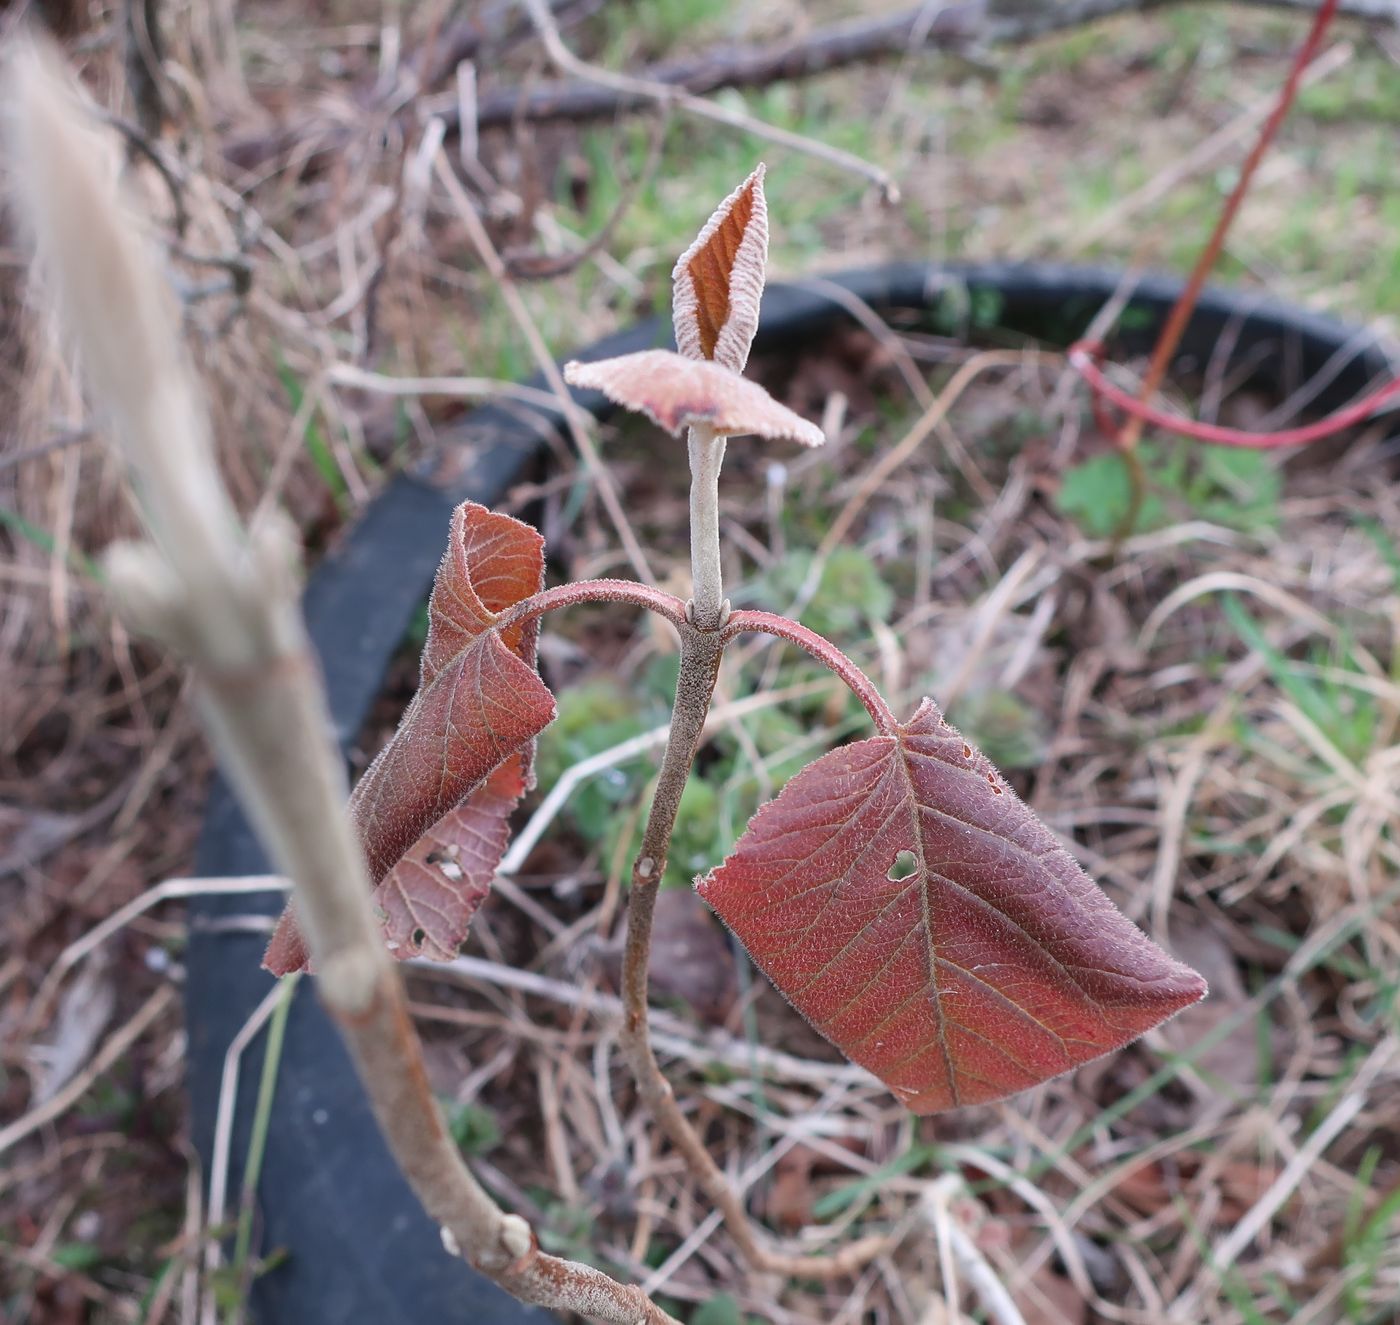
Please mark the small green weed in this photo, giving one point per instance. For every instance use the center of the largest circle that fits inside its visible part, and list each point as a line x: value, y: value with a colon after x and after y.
x: 77, y: 1255
x: 650, y: 26
x: 1347, y: 715
x: 851, y: 593
x: 1364, y: 1238
x: 474, y: 1129
x: 1230, y: 486
x: 717, y: 801
x: 45, y: 542
x: 1003, y: 726
x: 314, y: 439
x: 721, y: 1309
x: 920, y: 1155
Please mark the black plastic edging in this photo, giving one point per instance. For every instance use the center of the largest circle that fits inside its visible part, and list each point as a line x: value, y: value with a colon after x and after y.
x: 356, y: 1245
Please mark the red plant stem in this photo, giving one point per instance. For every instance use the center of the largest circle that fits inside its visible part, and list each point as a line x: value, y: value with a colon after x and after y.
x: 825, y: 652
x: 596, y: 591
x: 1084, y: 357
x: 1185, y: 305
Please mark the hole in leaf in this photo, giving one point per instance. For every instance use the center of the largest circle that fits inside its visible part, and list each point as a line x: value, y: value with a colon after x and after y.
x: 967, y: 752
x: 904, y: 865
x: 992, y: 781
x: 417, y: 937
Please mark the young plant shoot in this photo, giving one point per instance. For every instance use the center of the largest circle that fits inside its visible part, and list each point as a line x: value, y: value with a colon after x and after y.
x: 897, y: 891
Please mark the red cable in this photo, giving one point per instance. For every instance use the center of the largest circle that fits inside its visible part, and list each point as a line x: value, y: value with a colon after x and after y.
x: 1084, y: 357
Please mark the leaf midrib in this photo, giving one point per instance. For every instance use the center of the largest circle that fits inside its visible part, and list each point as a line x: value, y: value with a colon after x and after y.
x: 916, y: 829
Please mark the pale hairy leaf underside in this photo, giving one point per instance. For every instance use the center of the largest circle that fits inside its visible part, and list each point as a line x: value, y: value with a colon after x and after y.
x: 909, y: 905
x: 675, y: 393
x: 480, y: 702
x: 718, y: 281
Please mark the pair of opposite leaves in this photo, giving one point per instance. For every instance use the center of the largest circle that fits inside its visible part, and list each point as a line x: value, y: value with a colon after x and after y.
x: 896, y: 891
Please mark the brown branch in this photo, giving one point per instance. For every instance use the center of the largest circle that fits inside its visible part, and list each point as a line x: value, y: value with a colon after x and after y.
x: 143, y: 51
x: 1175, y: 326
x: 826, y: 49
x: 226, y: 599
x: 664, y: 94
x: 140, y: 145
x: 544, y: 361
x: 1185, y: 305
x: 491, y: 30
x: 963, y: 26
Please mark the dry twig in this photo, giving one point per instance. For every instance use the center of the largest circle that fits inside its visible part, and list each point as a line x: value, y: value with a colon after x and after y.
x: 956, y: 27
x: 227, y: 600
x: 663, y: 94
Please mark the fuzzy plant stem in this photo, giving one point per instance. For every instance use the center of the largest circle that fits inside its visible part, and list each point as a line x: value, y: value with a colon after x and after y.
x: 701, y: 653
x: 707, y: 593
x: 226, y: 601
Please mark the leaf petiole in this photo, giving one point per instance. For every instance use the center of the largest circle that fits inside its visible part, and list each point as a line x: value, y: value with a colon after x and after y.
x: 632, y: 592
x: 825, y: 652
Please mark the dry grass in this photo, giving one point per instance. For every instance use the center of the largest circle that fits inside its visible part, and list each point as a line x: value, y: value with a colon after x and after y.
x: 1234, y: 788
x: 1237, y: 801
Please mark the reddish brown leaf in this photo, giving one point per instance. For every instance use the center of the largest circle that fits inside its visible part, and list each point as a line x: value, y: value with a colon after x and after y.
x: 430, y: 897
x: 718, y: 281
x: 480, y: 700
x: 931, y: 927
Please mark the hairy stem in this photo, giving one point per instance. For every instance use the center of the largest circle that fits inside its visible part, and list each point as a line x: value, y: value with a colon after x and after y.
x: 707, y: 592
x: 701, y: 652
x: 825, y: 652
x: 595, y: 591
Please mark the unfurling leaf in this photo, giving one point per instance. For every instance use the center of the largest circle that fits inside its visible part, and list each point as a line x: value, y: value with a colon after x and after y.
x: 675, y: 392
x: 480, y: 701
x: 931, y: 927
x: 480, y: 698
x: 718, y: 281
x: 430, y: 897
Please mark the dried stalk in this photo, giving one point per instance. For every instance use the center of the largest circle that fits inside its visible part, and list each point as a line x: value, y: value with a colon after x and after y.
x: 226, y: 600
x: 664, y: 94
x: 544, y: 360
x: 958, y: 25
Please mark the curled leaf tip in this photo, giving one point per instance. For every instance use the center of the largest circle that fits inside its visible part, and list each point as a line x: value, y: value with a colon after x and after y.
x: 718, y: 281
x: 676, y: 393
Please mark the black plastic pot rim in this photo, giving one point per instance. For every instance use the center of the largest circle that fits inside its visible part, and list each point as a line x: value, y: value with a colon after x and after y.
x: 357, y: 1246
